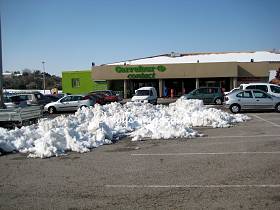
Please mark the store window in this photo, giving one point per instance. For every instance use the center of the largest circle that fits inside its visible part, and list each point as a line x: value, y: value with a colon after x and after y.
x: 75, y: 83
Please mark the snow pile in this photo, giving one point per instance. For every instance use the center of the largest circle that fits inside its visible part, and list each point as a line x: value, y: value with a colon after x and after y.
x: 90, y: 128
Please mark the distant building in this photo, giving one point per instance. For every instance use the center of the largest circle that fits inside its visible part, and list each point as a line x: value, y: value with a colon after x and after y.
x: 10, y: 74
x: 7, y: 74
x: 79, y: 82
x: 181, y: 72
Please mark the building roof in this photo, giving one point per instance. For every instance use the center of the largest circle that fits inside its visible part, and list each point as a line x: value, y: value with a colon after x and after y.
x: 76, y: 71
x: 211, y: 57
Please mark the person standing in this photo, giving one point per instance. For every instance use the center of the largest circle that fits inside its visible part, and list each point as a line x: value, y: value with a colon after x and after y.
x: 165, y: 91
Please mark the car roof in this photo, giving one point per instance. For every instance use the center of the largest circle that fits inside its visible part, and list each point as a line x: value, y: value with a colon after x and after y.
x: 256, y: 83
x: 146, y: 88
x: 239, y: 91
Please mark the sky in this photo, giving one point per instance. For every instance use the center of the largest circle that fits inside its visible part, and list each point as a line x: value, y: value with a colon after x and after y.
x: 71, y: 34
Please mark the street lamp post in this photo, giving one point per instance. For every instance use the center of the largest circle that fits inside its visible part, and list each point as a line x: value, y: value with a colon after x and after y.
x: 1, y: 71
x: 44, y: 77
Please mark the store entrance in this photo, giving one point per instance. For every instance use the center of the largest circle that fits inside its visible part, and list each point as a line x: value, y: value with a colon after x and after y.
x: 189, y: 85
x: 179, y: 86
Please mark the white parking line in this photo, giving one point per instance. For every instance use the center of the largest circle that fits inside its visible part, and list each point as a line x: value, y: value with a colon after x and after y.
x: 272, y: 123
x: 248, y: 141
x: 225, y: 137
x: 202, y: 153
x: 196, y: 186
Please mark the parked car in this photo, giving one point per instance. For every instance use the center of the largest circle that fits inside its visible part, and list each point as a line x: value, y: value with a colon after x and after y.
x: 145, y: 94
x: 14, y: 101
x: 99, y: 98
x: 251, y: 99
x: 109, y: 95
x: 266, y: 87
x: 70, y: 103
x: 34, y: 98
x: 209, y: 95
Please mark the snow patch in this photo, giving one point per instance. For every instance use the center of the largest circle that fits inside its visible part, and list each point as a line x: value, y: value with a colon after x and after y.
x: 99, y: 125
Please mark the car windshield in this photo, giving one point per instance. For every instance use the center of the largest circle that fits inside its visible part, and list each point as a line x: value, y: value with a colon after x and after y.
x: 66, y: 98
x: 142, y: 93
x: 108, y: 93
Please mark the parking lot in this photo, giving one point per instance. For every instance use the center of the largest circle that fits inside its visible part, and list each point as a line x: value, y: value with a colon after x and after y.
x: 228, y: 168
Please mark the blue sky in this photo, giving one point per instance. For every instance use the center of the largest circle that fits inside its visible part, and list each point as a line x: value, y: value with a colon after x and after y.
x: 70, y: 34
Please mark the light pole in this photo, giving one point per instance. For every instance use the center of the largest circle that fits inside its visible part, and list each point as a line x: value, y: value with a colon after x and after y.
x: 1, y: 71
x: 44, y: 77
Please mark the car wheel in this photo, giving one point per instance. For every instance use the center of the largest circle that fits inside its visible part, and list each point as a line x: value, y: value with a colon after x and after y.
x: 218, y: 101
x: 51, y: 110
x: 277, y: 107
x: 235, y: 108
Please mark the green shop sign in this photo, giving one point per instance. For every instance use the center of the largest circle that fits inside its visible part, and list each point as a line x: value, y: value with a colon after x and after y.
x: 140, y: 72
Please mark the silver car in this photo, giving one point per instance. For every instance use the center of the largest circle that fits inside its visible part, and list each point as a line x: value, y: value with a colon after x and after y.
x: 70, y: 103
x: 33, y: 98
x: 14, y: 101
x: 251, y: 99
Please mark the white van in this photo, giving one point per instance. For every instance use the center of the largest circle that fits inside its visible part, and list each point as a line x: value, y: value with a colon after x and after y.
x: 269, y: 88
x: 145, y: 94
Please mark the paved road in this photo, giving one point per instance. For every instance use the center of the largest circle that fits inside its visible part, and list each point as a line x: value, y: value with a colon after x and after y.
x: 230, y: 168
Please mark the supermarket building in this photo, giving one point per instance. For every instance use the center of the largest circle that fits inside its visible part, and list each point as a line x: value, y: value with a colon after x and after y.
x: 181, y: 73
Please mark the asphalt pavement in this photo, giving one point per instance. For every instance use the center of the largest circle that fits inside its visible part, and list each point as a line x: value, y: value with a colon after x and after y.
x: 228, y: 168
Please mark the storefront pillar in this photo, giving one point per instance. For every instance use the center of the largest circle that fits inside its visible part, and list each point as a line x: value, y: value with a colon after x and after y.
x: 234, y: 82
x: 160, y: 85
x: 125, y: 89
x: 196, y: 83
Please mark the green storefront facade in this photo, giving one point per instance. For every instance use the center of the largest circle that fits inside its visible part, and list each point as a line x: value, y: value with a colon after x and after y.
x: 80, y: 82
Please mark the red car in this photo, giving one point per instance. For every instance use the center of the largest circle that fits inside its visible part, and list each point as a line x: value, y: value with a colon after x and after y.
x: 98, y: 98
x: 108, y: 95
